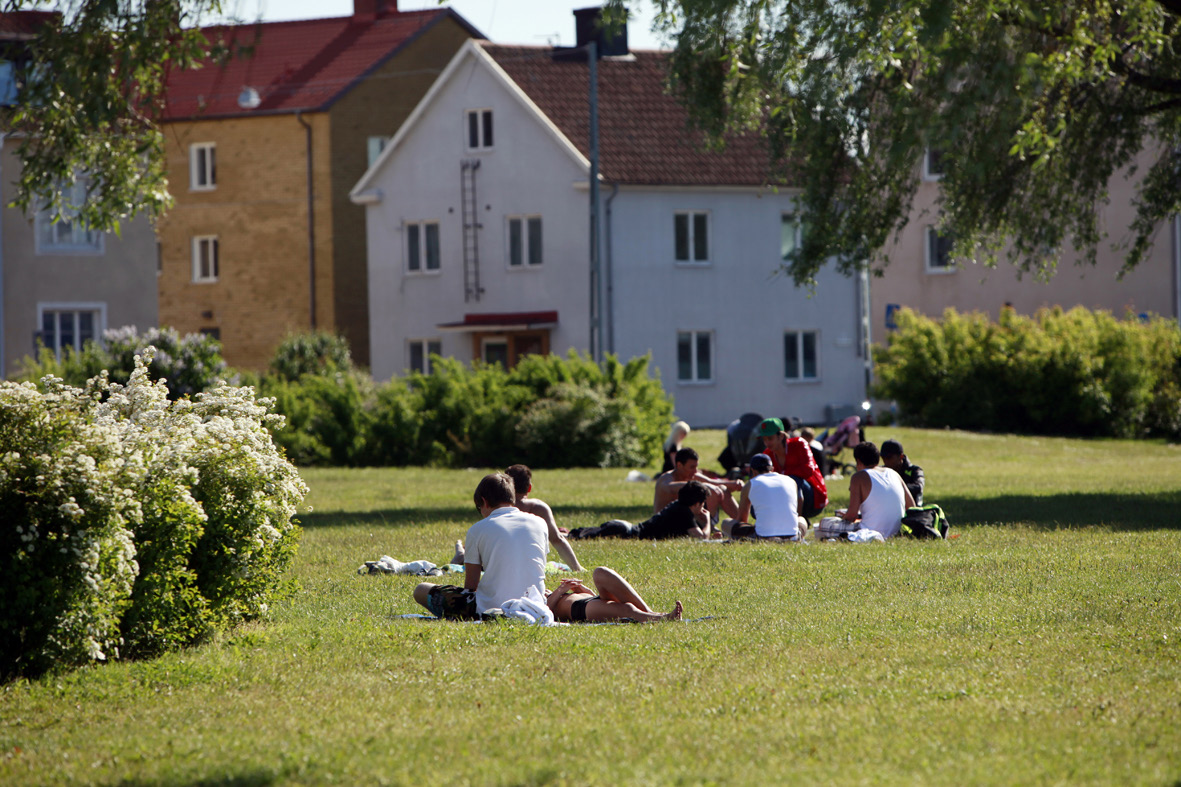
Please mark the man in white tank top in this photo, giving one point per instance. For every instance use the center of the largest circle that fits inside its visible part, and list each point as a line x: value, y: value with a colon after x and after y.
x: 877, y: 495
x: 774, y: 499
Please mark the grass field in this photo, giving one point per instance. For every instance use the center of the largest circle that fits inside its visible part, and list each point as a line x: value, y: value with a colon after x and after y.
x: 1041, y: 645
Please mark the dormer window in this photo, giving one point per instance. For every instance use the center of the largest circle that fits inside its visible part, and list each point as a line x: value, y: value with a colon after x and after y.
x: 479, y: 129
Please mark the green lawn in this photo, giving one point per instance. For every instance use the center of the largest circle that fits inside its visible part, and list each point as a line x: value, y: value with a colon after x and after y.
x: 1039, y: 645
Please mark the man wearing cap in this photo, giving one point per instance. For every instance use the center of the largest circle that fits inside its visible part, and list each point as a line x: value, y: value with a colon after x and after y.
x: 792, y: 456
x: 774, y: 498
x: 894, y: 458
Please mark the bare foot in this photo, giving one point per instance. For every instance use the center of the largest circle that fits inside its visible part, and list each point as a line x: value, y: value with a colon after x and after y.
x: 457, y: 558
x: 676, y: 613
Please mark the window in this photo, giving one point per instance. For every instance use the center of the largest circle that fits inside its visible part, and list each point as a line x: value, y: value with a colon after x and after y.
x: 695, y: 356
x: 524, y: 241
x: 203, y: 166
x: 496, y: 351
x: 205, y: 262
x: 799, y: 355
x: 422, y: 246
x: 8, y: 87
x: 67, y: 235
x: 791, y: 235
x: 376, y: 145
x: 479, y: 129
x: 692, y: 236
x: 932, y: 164
x: 939, y: 252
x: 70, y: 326
x: 420, y: 352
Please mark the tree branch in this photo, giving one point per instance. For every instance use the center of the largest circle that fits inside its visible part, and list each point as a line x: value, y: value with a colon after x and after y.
x: 1150, y: 82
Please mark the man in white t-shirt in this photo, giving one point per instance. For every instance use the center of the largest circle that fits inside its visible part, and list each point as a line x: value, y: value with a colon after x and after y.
x: 877, y: 495
x: 774, y: 499
x: 505, y: 556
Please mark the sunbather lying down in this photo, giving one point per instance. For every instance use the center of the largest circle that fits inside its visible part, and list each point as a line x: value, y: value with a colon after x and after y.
x: 573, y: 602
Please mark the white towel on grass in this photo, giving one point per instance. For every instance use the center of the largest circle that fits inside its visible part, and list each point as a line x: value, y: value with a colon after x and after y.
x: 531, y: 609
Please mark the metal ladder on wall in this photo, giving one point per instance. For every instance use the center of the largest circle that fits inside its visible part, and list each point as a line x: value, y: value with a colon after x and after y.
x: 471, y: 230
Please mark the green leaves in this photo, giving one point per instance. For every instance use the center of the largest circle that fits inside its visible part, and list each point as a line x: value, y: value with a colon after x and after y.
x: 1034, y: 108
x: 91, y: 102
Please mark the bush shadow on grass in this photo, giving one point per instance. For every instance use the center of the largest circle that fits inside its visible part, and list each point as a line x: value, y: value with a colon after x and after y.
x: 402, y: 517
x: 253, y: 778
x: 1133, y: 512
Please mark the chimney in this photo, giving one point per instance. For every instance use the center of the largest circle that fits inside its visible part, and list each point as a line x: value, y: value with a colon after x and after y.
x: 372, y: 10
x: 588, y: 27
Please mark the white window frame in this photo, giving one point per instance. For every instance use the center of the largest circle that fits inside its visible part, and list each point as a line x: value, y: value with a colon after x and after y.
x: 929, y: 173
x: 203, y: 178
x: 527, y: 249
x: 199, y: 276
x: 485, y: 128
x: 424, y: 258
x: 929, y: 262
x: 374, y: 147
x: 790, y: 218
x: 426, y: 347
x: 799, y: 342
x: 50, y: 235
x: 97, y: 308
x: 695, y: 377
x: 692, y: 259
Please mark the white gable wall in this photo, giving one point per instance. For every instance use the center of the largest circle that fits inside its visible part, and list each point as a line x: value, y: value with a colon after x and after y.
x: 527, y: 172
x: 737, y: 297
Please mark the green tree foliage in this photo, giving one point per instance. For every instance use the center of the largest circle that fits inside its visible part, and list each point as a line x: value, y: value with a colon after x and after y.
x: 318, y: 352
x: 1033, y: 107
x: 90, y: 101
x: 1076, y: 373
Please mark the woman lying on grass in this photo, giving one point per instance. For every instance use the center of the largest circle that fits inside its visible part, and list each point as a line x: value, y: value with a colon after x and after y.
x: 573, y: 602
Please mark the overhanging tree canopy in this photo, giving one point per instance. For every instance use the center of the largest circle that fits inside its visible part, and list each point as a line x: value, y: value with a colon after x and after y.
x: 92, y: 80
x: 1033, y: 106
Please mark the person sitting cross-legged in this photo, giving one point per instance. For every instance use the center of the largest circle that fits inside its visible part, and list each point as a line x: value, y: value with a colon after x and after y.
x: 877, y: 495
x: 504, y: 558
x: 573, y: 602
x: 774, y: 499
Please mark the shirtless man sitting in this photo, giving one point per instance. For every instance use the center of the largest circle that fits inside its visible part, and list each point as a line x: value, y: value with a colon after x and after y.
x: 685, y: 470
x: 522, y: 478
x: 573, y: 602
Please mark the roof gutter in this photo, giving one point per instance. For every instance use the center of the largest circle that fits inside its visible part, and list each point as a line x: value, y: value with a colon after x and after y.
x: 311, y: 222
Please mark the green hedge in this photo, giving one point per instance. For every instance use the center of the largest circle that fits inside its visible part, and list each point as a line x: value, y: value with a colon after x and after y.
x: 131, y: 524
x: 1077, y: 373
x: 548, y: 411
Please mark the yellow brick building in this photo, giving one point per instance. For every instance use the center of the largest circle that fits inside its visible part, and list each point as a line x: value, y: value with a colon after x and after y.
x: 263, y: 148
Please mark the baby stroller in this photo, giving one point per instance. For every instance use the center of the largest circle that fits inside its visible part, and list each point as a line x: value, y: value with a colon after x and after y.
x: 847, y: 434
x: 742, y: 442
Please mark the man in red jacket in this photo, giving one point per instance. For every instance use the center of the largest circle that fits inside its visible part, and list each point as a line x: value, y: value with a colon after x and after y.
x: 792, y: 456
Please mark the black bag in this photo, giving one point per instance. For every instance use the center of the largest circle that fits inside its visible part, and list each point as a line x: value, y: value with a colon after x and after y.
x: 927, y: 521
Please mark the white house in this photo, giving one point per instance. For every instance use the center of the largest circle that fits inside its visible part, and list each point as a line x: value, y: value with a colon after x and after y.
x: 478, y: 225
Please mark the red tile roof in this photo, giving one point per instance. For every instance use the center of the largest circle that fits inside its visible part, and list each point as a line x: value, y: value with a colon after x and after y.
x: 302, y: 65
x: 24, y: 24
x: 644, y: 138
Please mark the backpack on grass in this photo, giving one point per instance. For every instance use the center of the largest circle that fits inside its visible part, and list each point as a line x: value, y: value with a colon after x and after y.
x: 927, y: 521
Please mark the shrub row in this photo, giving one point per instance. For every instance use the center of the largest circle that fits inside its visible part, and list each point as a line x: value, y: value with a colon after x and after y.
x: 548, y: 411
x: 1077, y: 372
x: 132, y: 524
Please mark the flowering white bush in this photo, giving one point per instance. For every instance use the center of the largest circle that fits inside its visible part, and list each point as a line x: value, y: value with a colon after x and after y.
x: 129, y: 520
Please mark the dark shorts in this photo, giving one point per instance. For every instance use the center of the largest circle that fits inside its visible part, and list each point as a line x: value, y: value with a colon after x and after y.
x: 452, y: 601
x: 578, y: 609
x: 748, y: 531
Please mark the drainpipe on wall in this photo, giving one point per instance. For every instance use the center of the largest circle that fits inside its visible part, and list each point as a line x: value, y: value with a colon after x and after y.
x: 863, y: 286
x: 1177, y: 268
x: 3, y: 337
x: 610, y: 271
x: 311, y: 222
